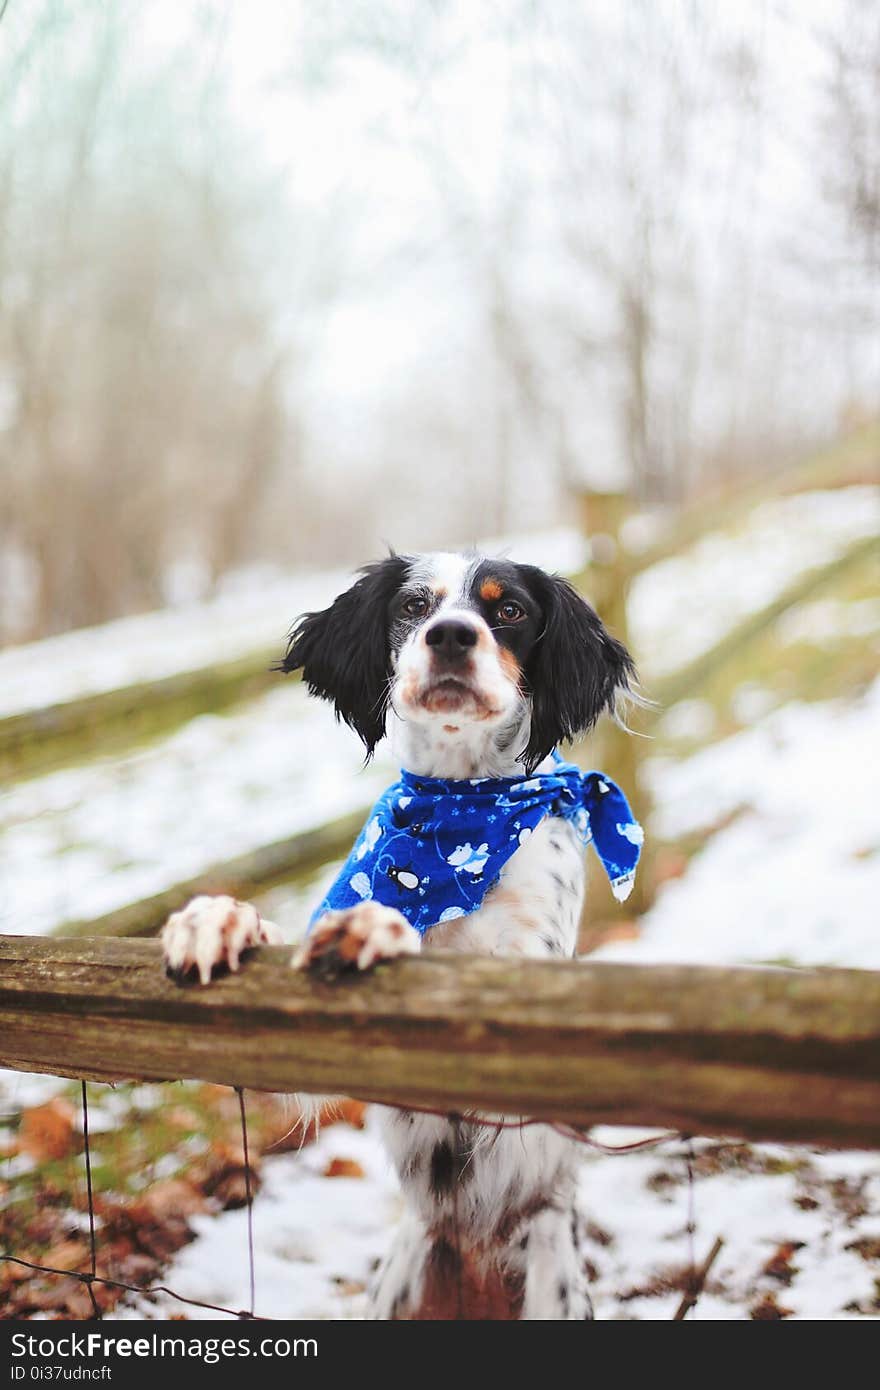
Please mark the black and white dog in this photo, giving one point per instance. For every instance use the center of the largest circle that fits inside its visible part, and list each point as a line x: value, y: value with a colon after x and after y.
x: 478, y: 668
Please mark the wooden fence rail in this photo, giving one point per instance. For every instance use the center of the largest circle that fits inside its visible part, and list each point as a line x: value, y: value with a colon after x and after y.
x: 689, y: 679
x: 112, y: 721
x: 787, y: 1055
x: 245, y: 876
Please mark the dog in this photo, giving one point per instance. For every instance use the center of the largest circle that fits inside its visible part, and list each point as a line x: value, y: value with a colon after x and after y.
x: 477, y: 668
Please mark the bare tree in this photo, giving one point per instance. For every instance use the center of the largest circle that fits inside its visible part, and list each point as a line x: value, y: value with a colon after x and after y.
x: 140, y: 354
x: 852, y: 172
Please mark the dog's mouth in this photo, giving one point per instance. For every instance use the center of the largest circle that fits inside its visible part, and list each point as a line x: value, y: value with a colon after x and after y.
x: 451, y: 694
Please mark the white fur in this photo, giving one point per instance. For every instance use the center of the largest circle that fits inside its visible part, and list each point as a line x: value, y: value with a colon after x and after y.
x: 461, y: 742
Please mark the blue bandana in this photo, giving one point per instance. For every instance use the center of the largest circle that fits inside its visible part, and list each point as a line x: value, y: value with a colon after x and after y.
x: 433, y: 847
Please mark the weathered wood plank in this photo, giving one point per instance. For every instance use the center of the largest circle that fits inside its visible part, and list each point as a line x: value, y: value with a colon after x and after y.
x: 760, y: 1053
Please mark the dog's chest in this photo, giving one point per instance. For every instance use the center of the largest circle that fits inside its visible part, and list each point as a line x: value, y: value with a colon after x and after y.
x: 535, y: 907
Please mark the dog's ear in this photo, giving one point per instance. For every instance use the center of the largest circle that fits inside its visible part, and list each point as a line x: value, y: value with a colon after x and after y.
x: 577, y: 670
x: 344, y: 653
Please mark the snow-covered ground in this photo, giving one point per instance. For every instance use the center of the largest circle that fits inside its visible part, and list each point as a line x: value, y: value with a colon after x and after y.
x: 715, y: 583
x: 684, y: 605
x: 317, y: 1239
x: 796, y: 874
x: 252, y: 612
x: 80, y: 842
x: 792, y: 873
x: 77, y: 843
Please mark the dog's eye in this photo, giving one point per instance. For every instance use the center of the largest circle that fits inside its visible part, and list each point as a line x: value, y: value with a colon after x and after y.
x: 510, y: 612
x: 415, y: 607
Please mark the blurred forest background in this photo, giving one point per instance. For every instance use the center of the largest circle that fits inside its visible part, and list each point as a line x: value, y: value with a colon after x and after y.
x: 282, y: 282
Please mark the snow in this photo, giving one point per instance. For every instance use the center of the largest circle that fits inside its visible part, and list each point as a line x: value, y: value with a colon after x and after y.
x: 317, y: 1240
x: 251, y: 613
x: 829, y: 620
x: 689, y: 719
x: 790, y: 871
x: 77, y: 843
x: 252, y: 616
x: 795, y: 875
x: 722, y: 578
x: 315, y: 1237
x: 682, y: 606
x: 80, y: 842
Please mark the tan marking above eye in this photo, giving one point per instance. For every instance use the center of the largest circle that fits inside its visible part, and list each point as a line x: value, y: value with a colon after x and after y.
x: 491, y: 590
x: 439, y: 590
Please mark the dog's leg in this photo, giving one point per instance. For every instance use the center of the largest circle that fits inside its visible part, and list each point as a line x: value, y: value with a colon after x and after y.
x: 556, y: 1287
x: 357, y: 938
x: 212, y: 932
x: 398, y: 1289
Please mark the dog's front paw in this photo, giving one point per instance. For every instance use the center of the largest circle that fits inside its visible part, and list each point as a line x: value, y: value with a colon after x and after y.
x: 210, y: 932
x: 356, y: 939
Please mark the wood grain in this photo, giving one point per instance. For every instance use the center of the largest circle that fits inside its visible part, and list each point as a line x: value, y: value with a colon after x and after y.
x: 758, y: 1053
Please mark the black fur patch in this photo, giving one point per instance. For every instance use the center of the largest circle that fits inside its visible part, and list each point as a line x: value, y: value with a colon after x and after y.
x: 449, y: 1167
x: 575, y: 669
x: 343, y: 651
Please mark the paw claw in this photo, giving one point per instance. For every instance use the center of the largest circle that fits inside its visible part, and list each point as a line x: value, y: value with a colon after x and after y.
x: 358, y: 938
x: 212, y: 932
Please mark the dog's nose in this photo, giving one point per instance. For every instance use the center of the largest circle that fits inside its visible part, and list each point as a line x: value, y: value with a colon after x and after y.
x: 451, y: 639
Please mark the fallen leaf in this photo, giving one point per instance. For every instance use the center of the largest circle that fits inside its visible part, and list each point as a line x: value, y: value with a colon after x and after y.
x: 866, y: 1246
x: 229, y: 1186
x: 598, y: 1234
x: 48, y: 1131
x: 779, y: 1266
x: 170, y: 1197
x: 181, y: 1117
x: 67, y: 1255
x: 768, y: 1310
x: 621, y: 931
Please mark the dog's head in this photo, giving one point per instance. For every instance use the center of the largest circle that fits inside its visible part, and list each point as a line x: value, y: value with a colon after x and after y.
x: 455, y: 640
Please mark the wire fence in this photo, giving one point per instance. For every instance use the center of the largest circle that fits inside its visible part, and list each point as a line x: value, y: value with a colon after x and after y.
x: 694, y: 1281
